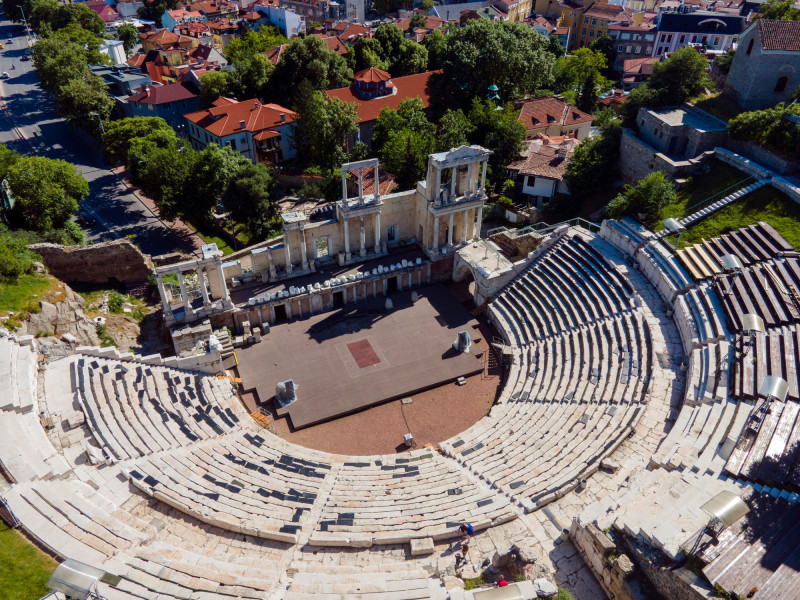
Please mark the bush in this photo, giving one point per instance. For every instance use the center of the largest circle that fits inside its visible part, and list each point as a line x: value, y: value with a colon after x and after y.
x: 770, y: 127
x: 504, y: 201
x: 563, y: 594
x: 115, y: 301
x: 15, y: 257
x: 648, y: 197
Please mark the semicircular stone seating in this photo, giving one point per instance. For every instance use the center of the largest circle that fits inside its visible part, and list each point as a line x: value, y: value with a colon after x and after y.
x: 160, y: 477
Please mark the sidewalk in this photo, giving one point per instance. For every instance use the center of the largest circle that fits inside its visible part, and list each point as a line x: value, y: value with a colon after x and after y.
x: 181, y: 228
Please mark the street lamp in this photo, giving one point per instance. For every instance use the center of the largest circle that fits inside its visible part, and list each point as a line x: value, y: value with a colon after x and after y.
x: 99, y: 120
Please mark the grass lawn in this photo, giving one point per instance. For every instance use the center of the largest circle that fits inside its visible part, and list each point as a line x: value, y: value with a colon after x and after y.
x: 764, y: 204
x: 718, y: 105
x: 703, y: 189
x: 24, y: 569
x: 222, y: 245
x: 26, y: 292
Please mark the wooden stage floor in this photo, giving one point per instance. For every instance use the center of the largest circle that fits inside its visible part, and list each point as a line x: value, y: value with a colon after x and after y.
x: 360, y: 355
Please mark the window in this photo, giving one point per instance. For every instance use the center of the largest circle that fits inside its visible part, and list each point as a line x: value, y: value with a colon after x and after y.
x: 391, y: 234
x: 694, y: 39
x: 602, y: 23
x: 585, y: 20
x: 233, y: 144
x: 583, y: 32
x: 321, y: 249
x: 750, y: 46
x: 620, y: 48
x: 637, y: 50
x: 781, y: 84
x: 594, y: 22
x: 591, y: 33
x: 627, y: 49
x: 625, y: 36
x: 682, y: 39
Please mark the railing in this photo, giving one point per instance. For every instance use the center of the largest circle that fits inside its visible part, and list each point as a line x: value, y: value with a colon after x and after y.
x: 543, y: 227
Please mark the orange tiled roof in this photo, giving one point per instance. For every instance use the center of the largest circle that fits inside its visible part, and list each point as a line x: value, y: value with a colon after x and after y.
x: 641, y: 66
x: 541, y: 112
x: 372, y: 75
x: 603, y: 11
x: 410, y: 86
x: 783, y: 36
x: 547, y: 159
x: 226, y: 115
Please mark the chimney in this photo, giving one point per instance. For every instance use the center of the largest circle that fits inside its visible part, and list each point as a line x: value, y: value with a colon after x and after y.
x: 147, y: 91
x: 283, y: 117
x: 242, y: 124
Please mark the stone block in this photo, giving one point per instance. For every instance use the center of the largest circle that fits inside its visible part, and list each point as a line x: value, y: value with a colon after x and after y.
x: 421, y: 546
x: 544, y: 588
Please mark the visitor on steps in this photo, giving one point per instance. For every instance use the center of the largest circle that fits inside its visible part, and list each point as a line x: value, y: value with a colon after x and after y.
x: 466, y: 529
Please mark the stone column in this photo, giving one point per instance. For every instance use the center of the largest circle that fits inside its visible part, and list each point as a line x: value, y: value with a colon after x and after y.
x: 483, y: 178
x: 377, y: 233
x: 478, y: 220
x: 201, y: 277
x: 450, y: 231
x: 163, y: 293
x: 453, y: 187
x: 438, y: 187
x: 272, y: 315
x: 224, y: 286
x: 344, y: 187
x: 303, y: 249
x: 361, y: 185
x: 362, y: 238
x: 470, y: 173
x: 272, y: 272
x: 346, y: 238
x: 184, y: 296
x: 436, y: 233
x: 288, y: 306
x: 466, y: 226
x: 287, y: 251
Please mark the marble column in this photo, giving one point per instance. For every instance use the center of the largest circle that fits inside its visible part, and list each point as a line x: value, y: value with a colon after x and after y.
x: 450, y: 231
x: 361, y: 185
x: 466, y: 226
x: 453, y: 187
x: 272, y: 272
x: 377, y: 233
x: 344, y: 186
x: 436, y: 233
x: 184, y: 296
x: 303, y: 249
x: 163, y: 293
x: 287, y: 251
x: 201, y: 278
x: 478, y: 221
x: 438, y: 187
x: 483, y: 178
x: 224, y: 286
x: 346, y: 238
x: 470, y: 173
x: 362, y: 238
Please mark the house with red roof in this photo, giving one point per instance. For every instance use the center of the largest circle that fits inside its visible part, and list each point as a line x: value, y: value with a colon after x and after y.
x: 223, y: 32
x: 103, y: 10
x: 173, y: 18
x: 261, y: 132
x: 170, y: 102
x: 160, y: 39
x: 553, y: 116
x: 766, y: 67
x: 373, y: 90
x: 636, y: 71
x: 541, y: 168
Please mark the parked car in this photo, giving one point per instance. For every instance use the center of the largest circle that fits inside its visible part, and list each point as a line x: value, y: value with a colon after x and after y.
x: 2, y: 46
x: 86, y: 219
x: 5, y: 75
x: 25, y: 58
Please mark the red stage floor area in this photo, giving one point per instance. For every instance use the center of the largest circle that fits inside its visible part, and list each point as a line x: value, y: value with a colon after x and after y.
x: 350, y: 359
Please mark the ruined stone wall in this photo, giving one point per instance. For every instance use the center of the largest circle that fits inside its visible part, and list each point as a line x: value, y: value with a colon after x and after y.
x: 678, y: 584
x: 119, y: 260
x: 614, y: 573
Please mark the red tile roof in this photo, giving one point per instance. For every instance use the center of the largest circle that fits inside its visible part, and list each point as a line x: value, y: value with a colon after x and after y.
x: 372, y: 75
x: 162, y: 37
x: 225, y: 116
x: 274, y: 54
x: 779, y: 35
x: 541, y: 112
x: 224, y: 24
x: 410, y: 86
x: 386, y: 185
x: 603, y: 11
x: 334, y: 43
x: 161, y: 94
x: 353, y: 31
x: 640, y: 66
x: 547, y: 160
x: 137, y: 60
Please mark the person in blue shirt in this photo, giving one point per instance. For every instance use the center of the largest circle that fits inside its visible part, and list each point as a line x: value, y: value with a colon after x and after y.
x: 466, y: 529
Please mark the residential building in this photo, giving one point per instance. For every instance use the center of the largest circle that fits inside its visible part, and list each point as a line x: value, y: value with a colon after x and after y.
x: 174, y: 65
x: 571, y: 17
x: 540, y: 171
x: 350, y: 32
x: 547, y: 8
x: 355, y: 11
x: 766, y: 67
x: 127, y: 9
x: 553, y: 117
x: 170, y: 102
x: 121, y: 80
x: 261, y: 132
x: 173, y: 18
x: 631, y: 42
x: 594, y: 22
x: 373, y: 90
x: 114, y: 49
x: 215, y: 9
x: 223, y: 32
x: 161, y: 39
x: 290, y: 23
x: 542, y: 25
x: 197, y: 30
x: 636, y: 71
x: 710, y: 30
x: 452, y: 12
x: 103, y: 10
x: 515, y: 11
x: 314, y: 10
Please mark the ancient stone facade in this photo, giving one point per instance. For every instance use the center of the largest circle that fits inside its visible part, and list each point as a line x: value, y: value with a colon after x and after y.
x: 118, y: 261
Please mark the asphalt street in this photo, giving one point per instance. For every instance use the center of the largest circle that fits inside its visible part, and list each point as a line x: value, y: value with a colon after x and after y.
x: 30, y: 112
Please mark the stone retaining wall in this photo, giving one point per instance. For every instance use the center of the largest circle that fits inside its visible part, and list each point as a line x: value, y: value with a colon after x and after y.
x: 615, y: 575
x: 101, y: 264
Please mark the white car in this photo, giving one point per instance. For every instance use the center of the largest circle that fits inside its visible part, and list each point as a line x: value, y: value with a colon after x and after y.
x: 5, y: 75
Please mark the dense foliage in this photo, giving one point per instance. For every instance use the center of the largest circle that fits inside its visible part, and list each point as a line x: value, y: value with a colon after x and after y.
x: 780, y: 10
x: 776, y: 128
x: 647, y: 198
x: 592, y: 167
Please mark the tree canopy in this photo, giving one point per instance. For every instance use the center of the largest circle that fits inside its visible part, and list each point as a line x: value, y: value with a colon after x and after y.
x: 308, y: 59
x: 46, y: 191
x: 410, y: 114
x: 213, y: 85
x: 129, y: 37
x: 405, y: 154
x: 591, y: 167
x: 325, y: 125
x: 254, y: 42
x: 780, y: 10
x: 120, y: 134
x: 770, y: 127
x: 498, y: 130
x: 482, y: 53
x: 648, y: 197
x: 250, y: 197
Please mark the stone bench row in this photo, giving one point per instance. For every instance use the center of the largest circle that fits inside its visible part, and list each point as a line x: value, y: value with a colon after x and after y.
x: 700, y: 317
x: 405, y: 584
x: 17, y: 377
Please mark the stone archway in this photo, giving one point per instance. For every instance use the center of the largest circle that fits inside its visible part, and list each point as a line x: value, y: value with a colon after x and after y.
x: 463, y: 274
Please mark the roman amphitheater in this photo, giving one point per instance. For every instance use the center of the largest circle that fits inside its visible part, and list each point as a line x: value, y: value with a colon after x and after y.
x: 644, y: 436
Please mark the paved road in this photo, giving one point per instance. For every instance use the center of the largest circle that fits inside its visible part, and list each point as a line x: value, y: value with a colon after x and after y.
x: 30, y: 111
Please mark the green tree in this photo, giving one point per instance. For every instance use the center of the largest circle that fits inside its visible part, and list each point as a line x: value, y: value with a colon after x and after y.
x: 213, y: 85
x: 605, y: 46
x: 681, y: 76
x: 587, y: 101
x: 85, y: 102
x: 436, y: 45
x: 555, y: 47
x: 405, y: 155
x: 250, y: 76
x: 511, y: 56
x: 164, y: 172
x: 592, y: 166
x: 307, y: 59
x: 580, y: 65
x: 7, y: 158
x: 326, y: 124
x: 250, y: 197
x: 254, y: 42
x: 214, y: 170
x: 46, y: 191
x: 40, y: 12
x: 775, y: 128
x: 413, y: 58
x: 648, y: 197
x: 389, y: 36
x: 418, y: 21
x: 723, y: 62
x: 366, y: 53
x: 410, y: 114
x: 129, y: 37
x: 780, y: 10
x: 16, y: 259
x: 154, y: 9
x: 454, y: 130
x: 120, y: 134
x: 498, y: 130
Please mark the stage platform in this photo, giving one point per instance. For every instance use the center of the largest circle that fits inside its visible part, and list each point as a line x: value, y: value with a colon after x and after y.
x: 350, y: 359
